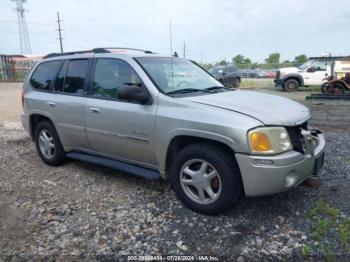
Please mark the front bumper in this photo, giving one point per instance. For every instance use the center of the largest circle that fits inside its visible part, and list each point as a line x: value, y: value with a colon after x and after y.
x: 264, y: 175
x: 278, y: 82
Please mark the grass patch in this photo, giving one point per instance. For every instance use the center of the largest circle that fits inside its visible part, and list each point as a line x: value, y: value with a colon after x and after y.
x: 330, y: 230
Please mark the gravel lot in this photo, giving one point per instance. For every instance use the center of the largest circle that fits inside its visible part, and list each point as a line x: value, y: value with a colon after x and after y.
x: 83, y: 211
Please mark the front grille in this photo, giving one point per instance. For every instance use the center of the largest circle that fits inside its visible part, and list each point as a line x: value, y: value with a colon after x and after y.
x: 296, y: 136
x: 278, y: 74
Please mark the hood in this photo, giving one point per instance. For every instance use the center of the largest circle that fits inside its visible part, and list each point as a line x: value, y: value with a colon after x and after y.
x: 268, y: 109
x: 287, y: 70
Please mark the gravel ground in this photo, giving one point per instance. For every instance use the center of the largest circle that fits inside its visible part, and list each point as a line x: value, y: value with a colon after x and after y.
x: 83, y: 211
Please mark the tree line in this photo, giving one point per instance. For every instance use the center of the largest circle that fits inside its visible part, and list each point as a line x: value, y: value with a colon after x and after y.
x: 273, y: 61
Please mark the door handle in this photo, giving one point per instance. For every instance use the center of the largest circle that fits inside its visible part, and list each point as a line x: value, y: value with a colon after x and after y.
x: 94, y: 110
x: 50, y: 103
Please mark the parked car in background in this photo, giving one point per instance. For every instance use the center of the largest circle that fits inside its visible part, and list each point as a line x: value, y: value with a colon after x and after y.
x: 227, y: 74
x: 249, y: 73
x: 270, y: 73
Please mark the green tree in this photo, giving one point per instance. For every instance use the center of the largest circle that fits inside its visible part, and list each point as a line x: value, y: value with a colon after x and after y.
x: 241, y: 61
x: 273, y: 58
x: 238, y: 59
x: 301, y: 59
x: 222, y: 62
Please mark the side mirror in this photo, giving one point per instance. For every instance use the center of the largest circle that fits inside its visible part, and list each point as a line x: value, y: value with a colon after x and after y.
x: 134, y: 93
x: 311, y: 69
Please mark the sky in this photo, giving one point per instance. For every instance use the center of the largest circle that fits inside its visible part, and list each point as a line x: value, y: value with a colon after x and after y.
x: 212, y: 30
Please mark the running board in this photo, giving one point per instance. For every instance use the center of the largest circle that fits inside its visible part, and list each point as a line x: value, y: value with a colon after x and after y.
x: 114, y: 164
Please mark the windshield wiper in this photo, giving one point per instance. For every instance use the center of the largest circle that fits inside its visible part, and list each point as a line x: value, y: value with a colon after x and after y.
x: 218, y: 87
x: 187, y: 90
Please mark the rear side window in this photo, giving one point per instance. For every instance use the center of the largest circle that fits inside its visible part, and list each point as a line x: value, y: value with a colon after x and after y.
x: 44, y: 75
x: 110, y: 74
x: 75, y: 77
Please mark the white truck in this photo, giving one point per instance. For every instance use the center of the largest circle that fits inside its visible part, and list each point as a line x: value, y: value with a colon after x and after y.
x: 313, y: 72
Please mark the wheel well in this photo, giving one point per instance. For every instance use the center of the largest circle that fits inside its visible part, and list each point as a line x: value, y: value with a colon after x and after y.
x: 34, y: 120
x: 180, y: 142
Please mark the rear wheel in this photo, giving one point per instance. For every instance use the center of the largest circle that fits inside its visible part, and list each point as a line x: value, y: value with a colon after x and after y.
x: 48, y: 144
x: 291, y: 85
x: 337, y: 89
x: 206, y: 179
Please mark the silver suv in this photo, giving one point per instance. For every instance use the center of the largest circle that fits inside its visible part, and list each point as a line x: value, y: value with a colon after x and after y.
x: 157, y: 116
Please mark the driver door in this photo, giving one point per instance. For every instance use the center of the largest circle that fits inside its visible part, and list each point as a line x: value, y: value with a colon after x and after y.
x: 317, y: 72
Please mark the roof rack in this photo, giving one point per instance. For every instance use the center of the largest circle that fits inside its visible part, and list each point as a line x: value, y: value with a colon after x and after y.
x: 98, y: 50
x: 330, y: 58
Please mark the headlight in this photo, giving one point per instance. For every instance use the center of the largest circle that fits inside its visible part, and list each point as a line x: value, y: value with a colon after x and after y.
x: 269, y: 140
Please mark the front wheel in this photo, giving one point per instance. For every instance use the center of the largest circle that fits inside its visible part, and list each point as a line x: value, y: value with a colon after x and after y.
x: 206, y: 179
x: 291, y: 85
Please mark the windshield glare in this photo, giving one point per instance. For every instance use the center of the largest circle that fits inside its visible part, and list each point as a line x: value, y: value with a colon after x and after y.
x: 172, y: 74
x: 306, y: 65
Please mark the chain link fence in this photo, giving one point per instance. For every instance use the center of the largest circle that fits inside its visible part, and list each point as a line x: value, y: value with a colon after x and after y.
x: 16, y: 67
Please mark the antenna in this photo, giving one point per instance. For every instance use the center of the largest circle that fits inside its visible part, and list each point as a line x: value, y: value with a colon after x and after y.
x: 184, y: 51
x: 59, y: 30
x: 22, y: 27
x: 171, y: 39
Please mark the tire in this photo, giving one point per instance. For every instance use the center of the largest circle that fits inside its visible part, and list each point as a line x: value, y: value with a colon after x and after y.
x: 237, y: 82
x: 48, y: 144
x: 226, y: 185
x: 337, y: 89
x: 291, y: 85
x: 324, y: 88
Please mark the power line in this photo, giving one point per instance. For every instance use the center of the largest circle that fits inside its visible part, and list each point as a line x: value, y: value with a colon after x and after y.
x: 59, y: 30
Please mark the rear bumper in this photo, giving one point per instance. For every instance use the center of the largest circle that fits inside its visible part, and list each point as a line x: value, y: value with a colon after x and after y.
x: 25, y: 122
x: 264, y: 175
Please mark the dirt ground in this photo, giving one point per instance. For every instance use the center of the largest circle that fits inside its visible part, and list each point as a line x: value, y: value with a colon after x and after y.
x: 10, y: 101
x: 86, y: 212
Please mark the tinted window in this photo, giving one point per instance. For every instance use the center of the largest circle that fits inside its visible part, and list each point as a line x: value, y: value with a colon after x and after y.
x: 44, y: 74
x: 110, y: 74
x: 58, y: 87
x: 76, y: 72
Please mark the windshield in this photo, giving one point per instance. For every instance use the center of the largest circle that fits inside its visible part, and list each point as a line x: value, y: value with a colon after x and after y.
x: 173, y: 74
x: 306, y: 65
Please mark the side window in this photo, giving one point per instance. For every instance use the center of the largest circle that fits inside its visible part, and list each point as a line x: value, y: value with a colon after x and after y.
x: 58, y: 87
x: 110, y: 75
x: 75, y: 77
x: 44, y: 75
x: 320, y: 66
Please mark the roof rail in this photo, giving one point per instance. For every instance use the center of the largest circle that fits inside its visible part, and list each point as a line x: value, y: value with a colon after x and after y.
x: 330, y: 58
x: 106, y: 49
x: 97, y: 50
x: 67, y: 53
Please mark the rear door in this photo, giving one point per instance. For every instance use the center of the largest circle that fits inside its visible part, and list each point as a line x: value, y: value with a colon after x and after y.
x: 68, y: 104
x: 121, y: 129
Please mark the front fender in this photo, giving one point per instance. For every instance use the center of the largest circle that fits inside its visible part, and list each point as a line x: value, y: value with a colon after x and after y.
x: 166, y: 139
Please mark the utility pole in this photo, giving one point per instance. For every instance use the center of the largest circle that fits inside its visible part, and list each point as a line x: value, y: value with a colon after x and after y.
x: 59, y: 31
x: 22, y: 27
x: 184, y: 51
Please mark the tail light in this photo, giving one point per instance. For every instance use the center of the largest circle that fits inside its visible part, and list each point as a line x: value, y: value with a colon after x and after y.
x: 22, y: 98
